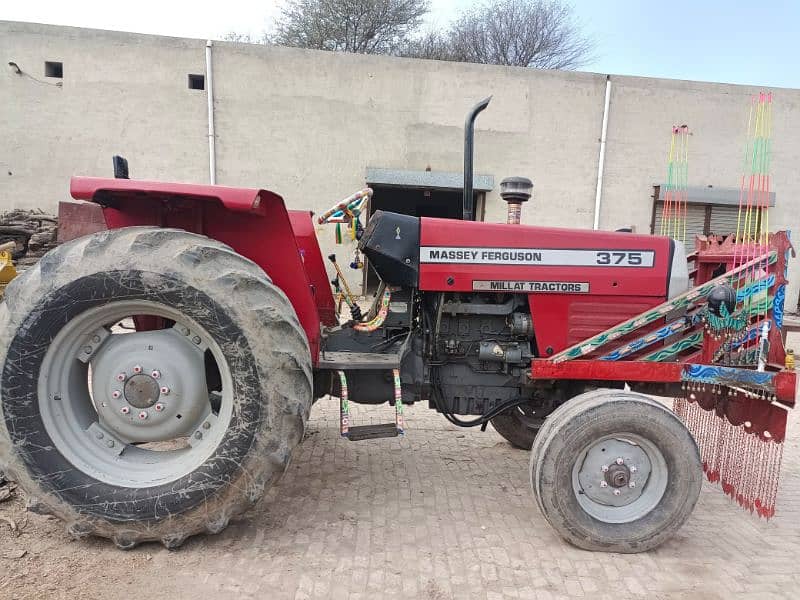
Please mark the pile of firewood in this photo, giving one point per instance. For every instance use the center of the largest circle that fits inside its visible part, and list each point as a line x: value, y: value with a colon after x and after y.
x: 33, y: 231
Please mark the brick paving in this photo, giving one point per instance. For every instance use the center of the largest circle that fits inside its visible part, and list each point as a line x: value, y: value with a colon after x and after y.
x: 440, y: 513
x: 447, y: 513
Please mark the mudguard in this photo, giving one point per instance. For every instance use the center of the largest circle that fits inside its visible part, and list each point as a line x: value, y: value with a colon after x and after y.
x: 254, y: 222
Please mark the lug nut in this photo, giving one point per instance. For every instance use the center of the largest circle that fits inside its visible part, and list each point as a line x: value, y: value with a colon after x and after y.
x: 137, y: 369
x: 198, y: 435
x: 87, y: 349
x: 110, y: 443
x: 620, y: 461
x: 159, y: 407
x: 99, y: 435
x: 116, y: 394
x: 164, y: 390
x: 96, y: 339
x: 604, y: 468
x: 617, y: 492
x: 143, y: 415
x: 155, y: 374
x: 603, y: 484
x: 121, y: 376
x: 632, y: 484
x: 206, y: 425
x: 633, y: 469
x: 196, y: 339
x: 124, y: 410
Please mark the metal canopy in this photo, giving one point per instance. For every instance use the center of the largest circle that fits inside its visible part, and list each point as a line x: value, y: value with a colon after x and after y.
x: 426, y: 179
x: 710, y: 195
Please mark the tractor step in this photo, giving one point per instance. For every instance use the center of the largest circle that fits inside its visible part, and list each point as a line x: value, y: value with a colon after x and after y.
x: 370, y: 432
x: 339, y: 361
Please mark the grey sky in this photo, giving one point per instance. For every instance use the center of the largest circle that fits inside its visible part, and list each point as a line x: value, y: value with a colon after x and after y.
x: 710, y: 40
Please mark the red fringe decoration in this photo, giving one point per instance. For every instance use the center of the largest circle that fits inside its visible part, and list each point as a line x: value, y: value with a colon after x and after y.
x: 746, y: 465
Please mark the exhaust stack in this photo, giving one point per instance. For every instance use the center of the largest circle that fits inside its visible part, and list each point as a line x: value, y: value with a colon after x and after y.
x: 469, y: 136
x: 515, y: 191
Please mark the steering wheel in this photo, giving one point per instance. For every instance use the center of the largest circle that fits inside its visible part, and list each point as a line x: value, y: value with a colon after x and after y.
x: 348, y: 208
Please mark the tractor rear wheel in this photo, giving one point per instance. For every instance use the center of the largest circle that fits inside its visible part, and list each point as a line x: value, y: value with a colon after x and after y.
x: 615, y: 471
x: 154, y: 384
x: 520, y: 425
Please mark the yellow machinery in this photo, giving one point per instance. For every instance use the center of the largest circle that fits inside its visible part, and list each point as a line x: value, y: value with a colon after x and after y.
x: 7, y: 270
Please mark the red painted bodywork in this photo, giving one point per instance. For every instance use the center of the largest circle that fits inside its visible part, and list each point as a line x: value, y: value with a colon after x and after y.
x: 713, y: 252
x: 629, y: 370
x: 559, y: 319
x: 253, y: 222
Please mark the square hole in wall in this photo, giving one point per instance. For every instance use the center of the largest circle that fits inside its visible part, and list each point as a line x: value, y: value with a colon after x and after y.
x: 197, y: 82
x: 53, y: 69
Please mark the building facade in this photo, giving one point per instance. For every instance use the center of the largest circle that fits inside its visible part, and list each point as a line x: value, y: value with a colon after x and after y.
x: 316, y: 126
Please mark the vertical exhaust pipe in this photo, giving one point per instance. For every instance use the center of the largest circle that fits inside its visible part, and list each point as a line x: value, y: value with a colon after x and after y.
x: 469, y: 146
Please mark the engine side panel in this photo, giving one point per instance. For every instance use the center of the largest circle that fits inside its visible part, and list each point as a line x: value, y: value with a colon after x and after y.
x: 468, y: 256
x: 578, y: 282
x: 560, y: 321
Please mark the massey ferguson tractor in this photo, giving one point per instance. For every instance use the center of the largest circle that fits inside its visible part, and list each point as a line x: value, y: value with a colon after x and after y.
x: 158, y: 367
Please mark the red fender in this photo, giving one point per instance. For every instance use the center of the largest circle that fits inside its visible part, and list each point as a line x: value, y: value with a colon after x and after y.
x: 254, y: 222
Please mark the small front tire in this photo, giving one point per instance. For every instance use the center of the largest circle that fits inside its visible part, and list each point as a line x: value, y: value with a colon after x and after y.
x: 615, y: 471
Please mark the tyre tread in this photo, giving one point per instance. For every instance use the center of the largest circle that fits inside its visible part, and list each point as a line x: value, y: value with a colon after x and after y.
x: 211, y: 266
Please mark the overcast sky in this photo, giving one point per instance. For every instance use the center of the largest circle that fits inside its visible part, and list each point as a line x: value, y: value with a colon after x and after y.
x: 709, y: 40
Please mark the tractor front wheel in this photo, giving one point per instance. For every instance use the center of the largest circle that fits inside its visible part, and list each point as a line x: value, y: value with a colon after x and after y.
x: 154, y: 384
x: 615, y: 471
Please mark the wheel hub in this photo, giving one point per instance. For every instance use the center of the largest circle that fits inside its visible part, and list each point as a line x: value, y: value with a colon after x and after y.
x: 614, y: 472
x: 619, y: 478
x: 618, y: 475
x: 150, y: 386
x: 142, y: 391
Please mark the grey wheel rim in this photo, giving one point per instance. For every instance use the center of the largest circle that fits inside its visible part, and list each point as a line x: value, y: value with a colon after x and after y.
x: 133, y: 409
x: 619, y: 478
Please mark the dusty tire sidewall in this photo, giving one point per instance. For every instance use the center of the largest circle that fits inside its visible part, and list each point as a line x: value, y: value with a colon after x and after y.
x: 27, y: 431
x: 274, y: 345
x: 555, y: 486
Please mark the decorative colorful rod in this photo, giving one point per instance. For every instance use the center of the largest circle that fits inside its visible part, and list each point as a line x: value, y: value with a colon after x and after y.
x: 752, y: 223
x: 737, y: 447
x: 674, y: 210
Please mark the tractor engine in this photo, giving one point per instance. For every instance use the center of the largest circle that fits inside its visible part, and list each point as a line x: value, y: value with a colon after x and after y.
x: 483, y: 346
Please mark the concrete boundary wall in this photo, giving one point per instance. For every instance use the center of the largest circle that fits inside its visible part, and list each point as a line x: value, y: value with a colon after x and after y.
x: 307, y: 124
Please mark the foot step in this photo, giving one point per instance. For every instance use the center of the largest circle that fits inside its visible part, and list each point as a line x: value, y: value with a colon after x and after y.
x: 369, y: 432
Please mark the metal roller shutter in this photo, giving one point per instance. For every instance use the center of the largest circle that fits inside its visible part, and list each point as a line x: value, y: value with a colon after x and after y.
x: 721, y: 220
x: 695, y: 220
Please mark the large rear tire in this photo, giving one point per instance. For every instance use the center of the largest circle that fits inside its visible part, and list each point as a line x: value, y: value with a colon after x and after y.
x: 519, y: 425
x: 615, y: 471
x: 163, y: 432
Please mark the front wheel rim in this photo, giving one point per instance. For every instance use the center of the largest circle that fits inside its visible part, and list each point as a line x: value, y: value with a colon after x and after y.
x: 619, y: 478
x: 104, y: 397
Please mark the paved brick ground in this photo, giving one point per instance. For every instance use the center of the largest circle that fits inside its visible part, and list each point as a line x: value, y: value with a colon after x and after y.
x: 446, y: 513
x: 441, y: 513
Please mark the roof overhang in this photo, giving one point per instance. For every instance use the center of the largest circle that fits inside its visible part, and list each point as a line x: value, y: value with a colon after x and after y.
x: 711, y: 195
x: 441, y: 180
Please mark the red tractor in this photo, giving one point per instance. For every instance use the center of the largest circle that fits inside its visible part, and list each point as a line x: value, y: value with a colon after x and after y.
x: 158, y: 367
